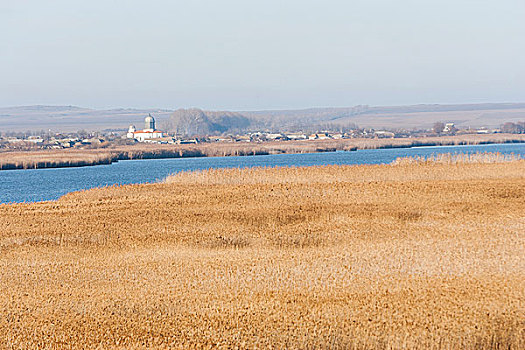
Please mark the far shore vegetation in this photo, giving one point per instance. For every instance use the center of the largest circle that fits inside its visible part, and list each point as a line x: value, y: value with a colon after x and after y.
x: 109, y: 153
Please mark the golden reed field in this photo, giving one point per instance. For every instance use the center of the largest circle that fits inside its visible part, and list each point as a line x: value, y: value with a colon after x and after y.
x: 417, y: 254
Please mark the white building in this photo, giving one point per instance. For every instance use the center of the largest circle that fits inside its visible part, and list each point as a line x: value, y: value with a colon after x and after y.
x: 449, y: 127
x: 148, y: 133
x: 35, y: 139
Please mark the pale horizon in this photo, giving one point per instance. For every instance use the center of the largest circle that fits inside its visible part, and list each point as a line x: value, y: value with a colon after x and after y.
x: 261, y: 55
x: 147, y: 108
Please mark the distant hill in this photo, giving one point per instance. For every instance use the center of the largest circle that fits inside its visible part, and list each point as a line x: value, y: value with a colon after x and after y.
x: 196, y: 121
x: 71, y: 118
x: 415, y: 116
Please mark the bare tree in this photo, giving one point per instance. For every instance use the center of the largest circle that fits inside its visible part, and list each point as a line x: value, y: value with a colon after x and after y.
x: 438, y: 127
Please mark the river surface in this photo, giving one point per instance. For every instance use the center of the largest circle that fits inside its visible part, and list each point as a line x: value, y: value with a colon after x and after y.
x: 50, y: 184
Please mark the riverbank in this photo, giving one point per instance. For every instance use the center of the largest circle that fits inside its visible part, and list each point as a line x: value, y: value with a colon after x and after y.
x: 415, y: 255
x: 89, y: 157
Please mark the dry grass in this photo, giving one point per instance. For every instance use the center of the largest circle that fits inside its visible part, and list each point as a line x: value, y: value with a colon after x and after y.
x: 84, y: 157
x: 462, y: 158
x: 413, y: 255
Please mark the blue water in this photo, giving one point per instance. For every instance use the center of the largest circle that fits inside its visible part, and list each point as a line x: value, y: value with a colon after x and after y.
x: 49, y: 184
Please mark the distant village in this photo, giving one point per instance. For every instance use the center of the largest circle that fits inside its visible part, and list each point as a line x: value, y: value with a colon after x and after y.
x: 150, y: 134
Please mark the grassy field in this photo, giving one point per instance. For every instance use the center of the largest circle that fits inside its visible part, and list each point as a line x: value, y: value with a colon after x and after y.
x: 61, y: 158
x: 418, y: 254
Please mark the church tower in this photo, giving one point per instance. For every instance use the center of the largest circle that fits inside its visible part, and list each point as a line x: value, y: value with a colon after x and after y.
x: 149, y: 123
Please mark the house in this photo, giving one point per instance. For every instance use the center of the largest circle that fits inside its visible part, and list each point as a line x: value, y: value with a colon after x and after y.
x: 275, y: 137
x: 323, y: 136
x: 35, y: 139
x: 384, y: 134
x: 449, y: 127
x: 296, y: 136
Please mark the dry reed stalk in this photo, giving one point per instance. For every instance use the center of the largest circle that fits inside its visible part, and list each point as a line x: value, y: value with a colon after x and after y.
x: 417, y: 255
x: 449, y: 158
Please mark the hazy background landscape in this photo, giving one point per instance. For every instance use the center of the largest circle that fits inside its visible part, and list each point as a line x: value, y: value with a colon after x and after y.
x: 72, y: 118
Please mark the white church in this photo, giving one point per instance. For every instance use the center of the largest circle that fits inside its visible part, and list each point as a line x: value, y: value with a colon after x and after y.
x: 148, y: 133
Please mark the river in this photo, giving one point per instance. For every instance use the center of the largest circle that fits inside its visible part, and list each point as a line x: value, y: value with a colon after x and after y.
x: 49, y: 184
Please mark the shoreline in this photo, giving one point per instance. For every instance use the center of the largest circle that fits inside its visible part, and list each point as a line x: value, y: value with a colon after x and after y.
x: 91, y: 157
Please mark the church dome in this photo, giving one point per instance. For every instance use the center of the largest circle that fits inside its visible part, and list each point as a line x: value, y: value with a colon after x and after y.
x: 149, y: 122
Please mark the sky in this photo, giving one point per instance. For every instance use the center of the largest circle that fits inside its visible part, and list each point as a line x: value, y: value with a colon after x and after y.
x: 252, y: 54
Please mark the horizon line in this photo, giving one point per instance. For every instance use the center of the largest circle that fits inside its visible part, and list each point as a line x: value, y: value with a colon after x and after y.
x: 258, y: 110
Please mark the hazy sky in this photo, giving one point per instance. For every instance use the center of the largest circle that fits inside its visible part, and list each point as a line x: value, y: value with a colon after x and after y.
x: 251, y: 54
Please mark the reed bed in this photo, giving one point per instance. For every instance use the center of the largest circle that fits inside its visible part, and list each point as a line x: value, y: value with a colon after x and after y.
x: 414, y: 255
x: 53, y: 159
x: 451, y: 158
x: 337, y: 173
x: 10, y: 160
